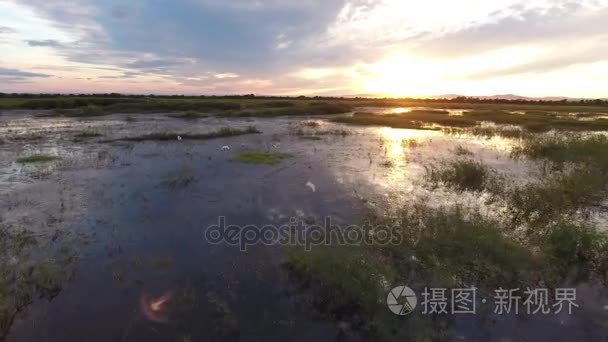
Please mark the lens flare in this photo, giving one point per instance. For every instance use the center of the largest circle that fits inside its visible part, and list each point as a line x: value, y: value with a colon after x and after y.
x: 155, y: 308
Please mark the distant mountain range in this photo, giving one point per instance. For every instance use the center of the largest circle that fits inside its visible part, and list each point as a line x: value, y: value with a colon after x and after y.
x: 514, y: 97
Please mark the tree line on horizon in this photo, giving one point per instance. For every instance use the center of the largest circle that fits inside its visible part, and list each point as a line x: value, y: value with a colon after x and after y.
x: 458, y: 99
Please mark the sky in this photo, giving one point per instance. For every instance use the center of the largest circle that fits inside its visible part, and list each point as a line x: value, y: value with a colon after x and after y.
x: 400, y: 48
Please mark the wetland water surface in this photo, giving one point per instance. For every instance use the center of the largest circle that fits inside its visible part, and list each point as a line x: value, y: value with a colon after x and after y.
x: 136, y: 213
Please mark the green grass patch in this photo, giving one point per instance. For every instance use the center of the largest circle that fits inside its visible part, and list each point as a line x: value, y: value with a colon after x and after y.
x: 266, y: 158
x: 37, y: 158
x: 310, y: 137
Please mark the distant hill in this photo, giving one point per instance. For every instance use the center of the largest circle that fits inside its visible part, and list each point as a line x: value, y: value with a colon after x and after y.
x: 514, y: 97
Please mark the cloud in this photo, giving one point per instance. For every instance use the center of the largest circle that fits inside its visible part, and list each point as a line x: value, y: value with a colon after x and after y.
x: 44, y: 43
x: 569, y: 22
x: 7, y: 30
x: 124, y: 75
x: 312, y: 44
x: 240, y: 36
x: 18, y: 74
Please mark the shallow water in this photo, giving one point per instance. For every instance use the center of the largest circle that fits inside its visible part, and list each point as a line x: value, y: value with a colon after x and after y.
x: 145, y: 238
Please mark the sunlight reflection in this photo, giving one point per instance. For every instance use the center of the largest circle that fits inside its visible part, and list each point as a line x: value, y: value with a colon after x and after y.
x: 399, y: 142
x: 398, y: 147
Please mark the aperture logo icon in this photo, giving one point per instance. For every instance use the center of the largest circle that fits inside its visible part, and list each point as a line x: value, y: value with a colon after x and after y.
x: 401, y: 300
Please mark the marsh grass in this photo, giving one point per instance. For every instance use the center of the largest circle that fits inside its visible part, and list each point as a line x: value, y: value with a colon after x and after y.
x: 318, y: 133
x: 455, y: 244
x: 85, y: 111
x: 190, y: 115
x: 368, y: 119
x: 278, y: 104
x: 310, y: 137
x: 387, y: 164
x: 462, y: 151
x: 559, y: 195
x: 169, y: 136
x: 579, y: 183
x: 302, y: 110
x: 86, y: 135
x: 37, y: 158
x: 539, y: 240
x: 488, y: 132
x: 469, y: 121
x: 29, y: 270
x: 462, y: 175
x: 311, y: 124
x: 438, y: 247
x: 578, y: 251
x: 561, y: 149
x: 343, y: 280
x: 266, y: 158
x: 411, y: 143
x: 536, y: 121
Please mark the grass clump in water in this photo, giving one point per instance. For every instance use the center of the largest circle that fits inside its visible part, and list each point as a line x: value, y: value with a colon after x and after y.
x: 310, y: 137
x: 488, y: 132
x: 37, y: 158
x: 561, y: 149
x: 266, y: 158
x: 31, y: 268
x: 190, y: 115
x: 579, y: 184
x: 86, y: 135
x: 556, y: 196
x: 461, y: 175
x: 462, y: 151
x: 343, y: 281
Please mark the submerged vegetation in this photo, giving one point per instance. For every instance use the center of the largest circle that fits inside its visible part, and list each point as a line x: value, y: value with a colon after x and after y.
x: 268, y: 158
x: 180, y: 178
x: 37, y: 158
x: 461, y: 175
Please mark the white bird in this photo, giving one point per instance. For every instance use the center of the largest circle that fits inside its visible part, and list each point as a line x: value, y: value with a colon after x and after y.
x: 276, y: 145
x: 225, y: 148
x: 311, y: 186
x: 179, y: 138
